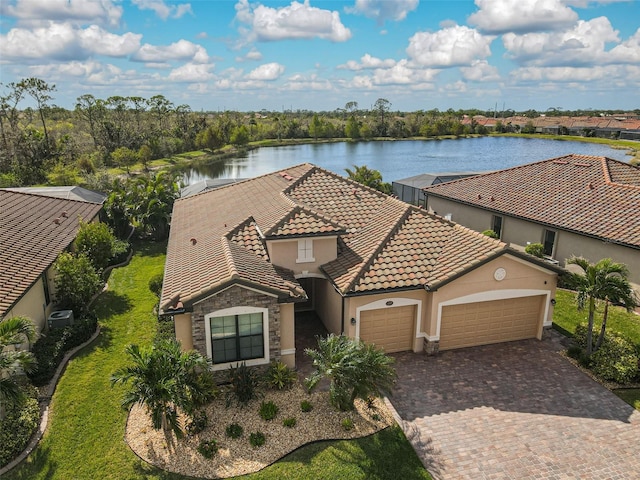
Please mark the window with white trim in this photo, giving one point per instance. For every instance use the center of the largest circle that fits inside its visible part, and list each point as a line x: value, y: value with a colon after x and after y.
x: 239, y: 334
x: 305, y: 250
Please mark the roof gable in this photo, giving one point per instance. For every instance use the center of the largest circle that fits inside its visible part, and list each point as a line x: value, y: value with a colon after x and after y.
x: 595, y: 196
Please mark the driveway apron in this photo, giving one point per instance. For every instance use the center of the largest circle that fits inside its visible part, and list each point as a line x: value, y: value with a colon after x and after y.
x: 517, y: 410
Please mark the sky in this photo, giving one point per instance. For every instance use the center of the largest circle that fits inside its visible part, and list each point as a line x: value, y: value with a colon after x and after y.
x: 241, y: 55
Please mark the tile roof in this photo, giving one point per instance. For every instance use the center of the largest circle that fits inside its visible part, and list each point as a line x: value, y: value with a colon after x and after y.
x: 218, y: 237
x: 34, y: 230
x: 594, y: 196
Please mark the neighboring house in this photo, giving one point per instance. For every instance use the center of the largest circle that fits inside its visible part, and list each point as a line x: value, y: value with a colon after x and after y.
x: 207, y: 184
x: 411, y: 189
x: 34, y: 230
x: 71, y: 192
x: 243, y: 258
x: 574, y: 205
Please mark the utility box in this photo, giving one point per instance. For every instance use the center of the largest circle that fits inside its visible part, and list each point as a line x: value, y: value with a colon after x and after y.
x: 60, y: 319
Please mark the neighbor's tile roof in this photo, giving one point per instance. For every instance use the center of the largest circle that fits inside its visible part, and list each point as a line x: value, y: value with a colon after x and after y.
x: 34, y: 230
x: 218, y: 237
x: 594, y: 196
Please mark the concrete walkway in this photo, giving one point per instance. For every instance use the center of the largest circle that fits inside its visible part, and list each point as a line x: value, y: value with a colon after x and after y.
x: 514, y: 411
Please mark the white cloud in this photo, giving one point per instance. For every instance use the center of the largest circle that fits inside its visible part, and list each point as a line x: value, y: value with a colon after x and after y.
x: 79, y: 11
x: 480, y: 71
x: 627, y: 52
x: 449, y: 47
x: 251, y: 55
x: 63, y: 41
x: 296, y: 21
x: 584, y: 44
x: 268, y: 71
x: 521, y: 16
x: 568, y: 74
x: 382, y: 10
x: 163, y: 10
x: 180, y: 50
x: 301, y: 83
x: 367, y: 62
x: 192, y: 73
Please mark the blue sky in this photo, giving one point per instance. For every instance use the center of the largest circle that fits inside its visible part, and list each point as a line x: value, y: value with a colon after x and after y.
x: 321, y: 54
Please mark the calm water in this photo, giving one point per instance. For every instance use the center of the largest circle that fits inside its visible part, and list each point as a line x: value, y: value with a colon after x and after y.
x: 401, y: 159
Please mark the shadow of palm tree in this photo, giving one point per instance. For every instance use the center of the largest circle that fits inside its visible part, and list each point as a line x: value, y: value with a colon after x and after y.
x: 111, y: 303
x: 39, y: 463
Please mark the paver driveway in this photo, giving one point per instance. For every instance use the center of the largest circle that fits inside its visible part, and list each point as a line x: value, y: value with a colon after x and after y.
x: 517, y: 410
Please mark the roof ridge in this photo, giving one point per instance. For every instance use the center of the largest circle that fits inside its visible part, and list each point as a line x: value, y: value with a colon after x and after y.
x: 296, y: 208
x: 228, y: 255
x: 238, y: 226
x: 608, y: 179
x: 381, y: 246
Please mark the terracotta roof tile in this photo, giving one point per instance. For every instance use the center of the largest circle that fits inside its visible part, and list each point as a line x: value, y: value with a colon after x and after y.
x: 34, y: 230
x: 301, y: 221
x: 595, y: 196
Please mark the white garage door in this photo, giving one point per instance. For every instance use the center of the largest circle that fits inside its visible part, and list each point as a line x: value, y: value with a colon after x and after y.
x: 390, y: 328
x: 495, y: 321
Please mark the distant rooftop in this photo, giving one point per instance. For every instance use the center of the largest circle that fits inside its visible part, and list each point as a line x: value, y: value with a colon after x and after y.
x: 427, y: 179
x: 207, y: 184
x: 71, y: 192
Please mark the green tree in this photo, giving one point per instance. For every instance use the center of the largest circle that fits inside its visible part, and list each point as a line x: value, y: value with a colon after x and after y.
x: 76, y: 281
x: 239, y: 135
x: 149, y: 202
x: 352, y: 130
x: 354, y: 369
x: 165, y: 380
x: 14, y: 331
x: 381, y: 108
x: 97, y: 241
x: 370, y: 178
x: 605, y: 281
x: 124, y: 157
x: 144, y: 155
x: 315, y: 127
x: 535, y: 249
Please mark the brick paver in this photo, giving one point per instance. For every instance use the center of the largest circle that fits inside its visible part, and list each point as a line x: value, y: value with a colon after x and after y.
x: 514, y: 411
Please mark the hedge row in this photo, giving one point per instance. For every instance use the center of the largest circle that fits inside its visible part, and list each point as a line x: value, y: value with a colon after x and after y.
x: 19, y: 423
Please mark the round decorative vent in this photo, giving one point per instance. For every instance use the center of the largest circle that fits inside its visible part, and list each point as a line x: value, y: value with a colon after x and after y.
x: 499, y: 274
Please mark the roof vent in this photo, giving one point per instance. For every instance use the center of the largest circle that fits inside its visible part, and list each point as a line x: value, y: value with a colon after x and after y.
x: 64, y: 214
x: 479, y: 197
x: 56, y: 221
x: 492, y: 198
x: 193, y: 241
x: 591, y: 187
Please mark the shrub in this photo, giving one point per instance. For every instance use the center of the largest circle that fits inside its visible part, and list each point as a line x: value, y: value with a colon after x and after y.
x: 244, y: 384
x: 279, y: 376
x: 234, y: 430
x: 198, y: 423
x: 155, y: 284
x: 76, y: 281
x: 615, y: 360
x: 347, y: 424
x: 289, y: 422
x: 121, y: 249
x: 20, y: 421
x: 208, y: 448
x: 166, y: 330
x: 268, y: 410
x: 257, y: 439
x: 535, y: 249
x: 97, y: 241
x: 306, y: 406
x: 50, y: 348
x: 490, y: 233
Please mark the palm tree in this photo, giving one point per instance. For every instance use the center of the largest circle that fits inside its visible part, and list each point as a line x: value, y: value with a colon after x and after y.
x: 368, y: 177
x: 354, y: 369
x: 164, y: 379
x: 13, y: 332
x: 605, y: 280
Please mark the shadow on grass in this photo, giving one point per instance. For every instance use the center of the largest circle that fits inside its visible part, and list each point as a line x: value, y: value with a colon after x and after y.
x: 110, y: 303
x: 145, y: 471
x: 38, y: 462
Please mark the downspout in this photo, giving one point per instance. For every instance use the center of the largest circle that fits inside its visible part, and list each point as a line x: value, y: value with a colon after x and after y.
x: 342, y: 318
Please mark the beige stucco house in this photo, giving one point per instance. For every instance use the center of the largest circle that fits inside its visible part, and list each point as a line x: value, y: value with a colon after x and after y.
x: 243, y: 258
x: 34, y: 230
x: 574, y: 205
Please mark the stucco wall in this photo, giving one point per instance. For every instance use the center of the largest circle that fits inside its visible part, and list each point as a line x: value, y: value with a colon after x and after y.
x: 288, y: 334
x: 285, y: 252
x: 32, y: 305
x: 328, y: 305
x: 237, y: 296
x: 183, y: 330
x: 520, y: 232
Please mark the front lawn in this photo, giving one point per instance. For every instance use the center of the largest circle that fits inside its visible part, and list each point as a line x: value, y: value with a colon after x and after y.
x: 566, y: 316
x: 630, y: 395
x: 85, y: 438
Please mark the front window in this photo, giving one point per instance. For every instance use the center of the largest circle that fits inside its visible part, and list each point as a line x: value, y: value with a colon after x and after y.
x: 238, y: 335
x: 549, y: 241
x: 496, y: 225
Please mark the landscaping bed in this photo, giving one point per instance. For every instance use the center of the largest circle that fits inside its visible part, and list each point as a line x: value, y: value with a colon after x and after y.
x: 236, y: 456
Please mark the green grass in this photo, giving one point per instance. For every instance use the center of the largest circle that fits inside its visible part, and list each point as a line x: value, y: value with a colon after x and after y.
x: 85, y: 438
x: 630, y: 395
x: 566, y: 316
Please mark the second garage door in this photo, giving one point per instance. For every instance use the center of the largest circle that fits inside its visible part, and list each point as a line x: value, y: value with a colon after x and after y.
x: 389, y: 328
x: 495, y: 321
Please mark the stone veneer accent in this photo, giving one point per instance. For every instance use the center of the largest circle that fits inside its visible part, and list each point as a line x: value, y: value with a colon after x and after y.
x: 236, y: 296
x: 431, y: 347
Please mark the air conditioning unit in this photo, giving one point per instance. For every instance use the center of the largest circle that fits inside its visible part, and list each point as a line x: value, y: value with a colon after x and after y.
x: 60, y: 319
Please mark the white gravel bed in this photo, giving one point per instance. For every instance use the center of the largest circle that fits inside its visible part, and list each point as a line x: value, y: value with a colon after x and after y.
x: 236, y: 456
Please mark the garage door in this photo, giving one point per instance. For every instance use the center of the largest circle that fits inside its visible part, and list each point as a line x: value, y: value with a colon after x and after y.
x: 496, y: 321
x: 389, y: 328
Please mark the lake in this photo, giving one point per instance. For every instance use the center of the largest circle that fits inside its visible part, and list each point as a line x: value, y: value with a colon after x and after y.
x: 401, y: 159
